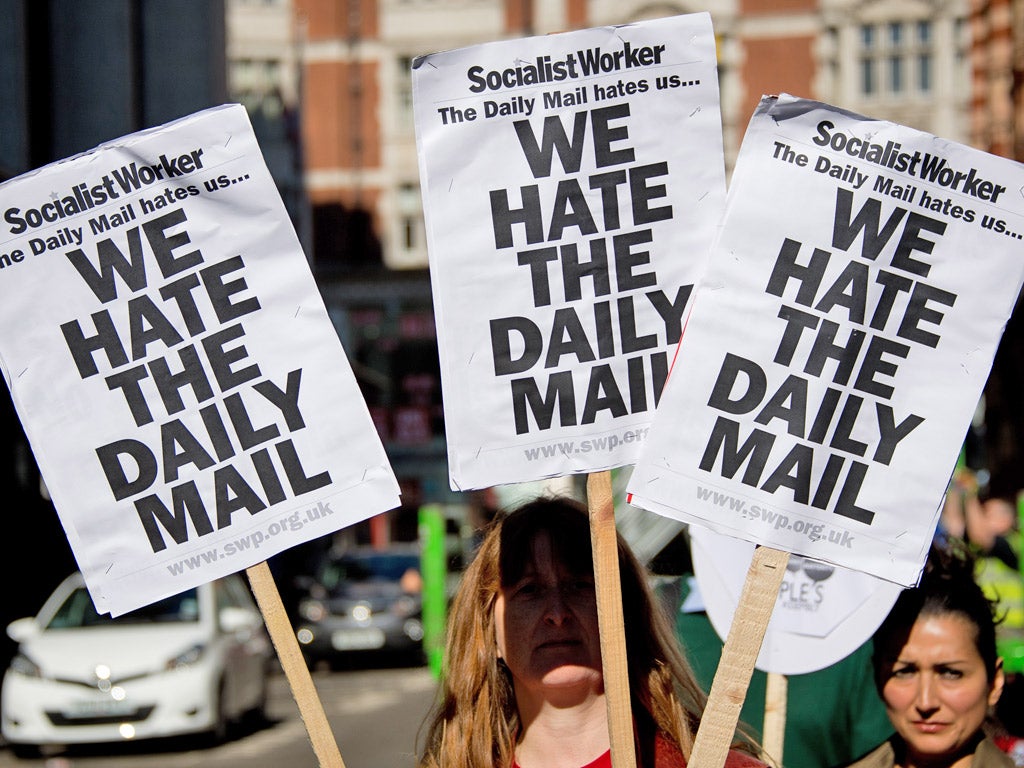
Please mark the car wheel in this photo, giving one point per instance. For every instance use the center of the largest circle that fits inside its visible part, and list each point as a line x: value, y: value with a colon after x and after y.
x: 256, y: 717
x: 218, y: 733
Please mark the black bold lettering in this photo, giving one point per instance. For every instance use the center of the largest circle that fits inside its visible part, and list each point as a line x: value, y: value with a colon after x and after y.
x: 503, y: 216
x: 501, y: 344
x: 174, y: 434
x: 163, y: 244
x: 756, y: 380
x: 299, y: 481
x: 113, y: 468
x: 603, y: 395
x: 187, y: 504
x: 221, y: 359
x: 724, y: 440
x: 844, y: 231
x: 82, y: 346
x: 919, y: 311
x: 286, y: 399
x: 568, y: 338
x: 605, y: 134
x: 539, y: 157
x: 809, y: 276
x: 111, y: 261
x: 526, y: 399
x: 233, y: 493
x: 220, y: 292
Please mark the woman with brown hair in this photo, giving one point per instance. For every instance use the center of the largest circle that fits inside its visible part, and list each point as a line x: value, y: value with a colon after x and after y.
x: 523, y: 684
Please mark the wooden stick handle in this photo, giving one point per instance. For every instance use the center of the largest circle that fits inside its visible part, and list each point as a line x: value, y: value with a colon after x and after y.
x: 294, y: 666
x: 603, y: 539
x: 774, y: 740
x: 729, y: 688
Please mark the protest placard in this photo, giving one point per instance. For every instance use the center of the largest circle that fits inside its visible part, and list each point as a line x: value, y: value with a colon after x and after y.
x: 185, y: 394
x: 840, y: 340
x: 571, y: 185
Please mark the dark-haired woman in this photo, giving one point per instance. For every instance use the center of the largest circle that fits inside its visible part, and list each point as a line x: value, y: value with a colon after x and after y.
x: 937, y: 671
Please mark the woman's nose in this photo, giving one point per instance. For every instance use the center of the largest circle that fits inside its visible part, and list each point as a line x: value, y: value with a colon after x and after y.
x: 555, y: 609
x: 927, y: 700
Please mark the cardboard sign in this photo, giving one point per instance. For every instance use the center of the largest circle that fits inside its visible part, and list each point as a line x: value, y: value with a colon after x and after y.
x: 186, y: 396
x: 571, y: 184
x: 823, y: 613
x: 840, y: 340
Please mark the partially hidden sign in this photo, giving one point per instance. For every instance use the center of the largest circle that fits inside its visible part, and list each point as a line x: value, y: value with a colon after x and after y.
x: 185, y: 394
x: 840, y: 340
x: 822, y: 612
x: 571, y: 185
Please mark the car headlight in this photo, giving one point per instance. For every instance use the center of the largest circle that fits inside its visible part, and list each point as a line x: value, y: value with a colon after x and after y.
x: 23, y: 665
x: 187, y: 658
x: 312, y: 610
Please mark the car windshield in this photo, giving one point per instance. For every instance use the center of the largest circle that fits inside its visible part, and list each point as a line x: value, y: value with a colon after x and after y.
x: 382, y: 566
x: 78, y: 611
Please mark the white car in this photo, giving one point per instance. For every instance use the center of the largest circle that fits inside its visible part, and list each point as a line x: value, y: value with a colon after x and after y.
x: 192, y: 663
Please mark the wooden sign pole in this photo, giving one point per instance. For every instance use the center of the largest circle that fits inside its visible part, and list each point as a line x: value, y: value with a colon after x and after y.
x: 601, y: 505
x: 294, y: 666
x: 729, y: 688
x: 774, y: 740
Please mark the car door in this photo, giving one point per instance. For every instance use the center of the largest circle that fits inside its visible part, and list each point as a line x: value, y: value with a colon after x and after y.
x: 246, y: 645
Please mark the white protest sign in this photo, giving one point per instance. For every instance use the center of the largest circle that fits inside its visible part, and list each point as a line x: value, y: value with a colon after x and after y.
x: 571, y: 184
x: 840, y: 340
x: 823, y: 612
x: 184, y: 391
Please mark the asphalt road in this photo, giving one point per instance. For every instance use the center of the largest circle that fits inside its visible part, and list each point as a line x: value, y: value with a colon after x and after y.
x: 374, y: 715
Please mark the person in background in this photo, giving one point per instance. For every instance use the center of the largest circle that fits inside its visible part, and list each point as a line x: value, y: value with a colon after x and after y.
x: 987, y: 523
x: 937, y: 671
x: 523, y: 684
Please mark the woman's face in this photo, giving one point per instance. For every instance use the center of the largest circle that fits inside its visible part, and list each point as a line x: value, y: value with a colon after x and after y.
x: 937, y: 692
x: 547, y: 631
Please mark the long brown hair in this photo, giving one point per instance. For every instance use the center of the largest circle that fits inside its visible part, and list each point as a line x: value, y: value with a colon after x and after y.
x: 475, y: 721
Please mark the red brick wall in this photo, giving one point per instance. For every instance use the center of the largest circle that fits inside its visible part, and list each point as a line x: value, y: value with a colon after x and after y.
x: 776, y: 65
x: 338, y: 19
x: 576, y: 14
x: 341, y: 120
x: 776, y: 6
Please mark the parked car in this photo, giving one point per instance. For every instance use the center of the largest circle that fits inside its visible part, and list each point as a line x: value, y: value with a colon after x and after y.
x: 192, y: 663
x: 363, y: 600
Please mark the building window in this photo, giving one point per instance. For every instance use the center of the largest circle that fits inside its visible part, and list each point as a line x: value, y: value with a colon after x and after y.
x: 867, y: 77
x: 924, y: 72
x: 256, y: 83
x: 895, y: 74
x: 896, y: 58
x: 410, y: 216
x: 895, y: 34
x: 924, y: 32
x: 867, y: 37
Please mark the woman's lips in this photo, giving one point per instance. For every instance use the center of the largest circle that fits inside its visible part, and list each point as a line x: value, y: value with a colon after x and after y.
x: 928, y: 727
x: 564, y: 643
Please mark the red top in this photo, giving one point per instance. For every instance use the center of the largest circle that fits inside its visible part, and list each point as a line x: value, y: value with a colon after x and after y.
x: 666, y: 755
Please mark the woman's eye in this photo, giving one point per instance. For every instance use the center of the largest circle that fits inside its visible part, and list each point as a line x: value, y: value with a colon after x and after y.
x: 526, y: 589
x: 948, y: 673
x: 904, y: 671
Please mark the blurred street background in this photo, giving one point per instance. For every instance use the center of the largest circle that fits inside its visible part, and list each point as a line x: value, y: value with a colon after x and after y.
x: 327, y: 87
